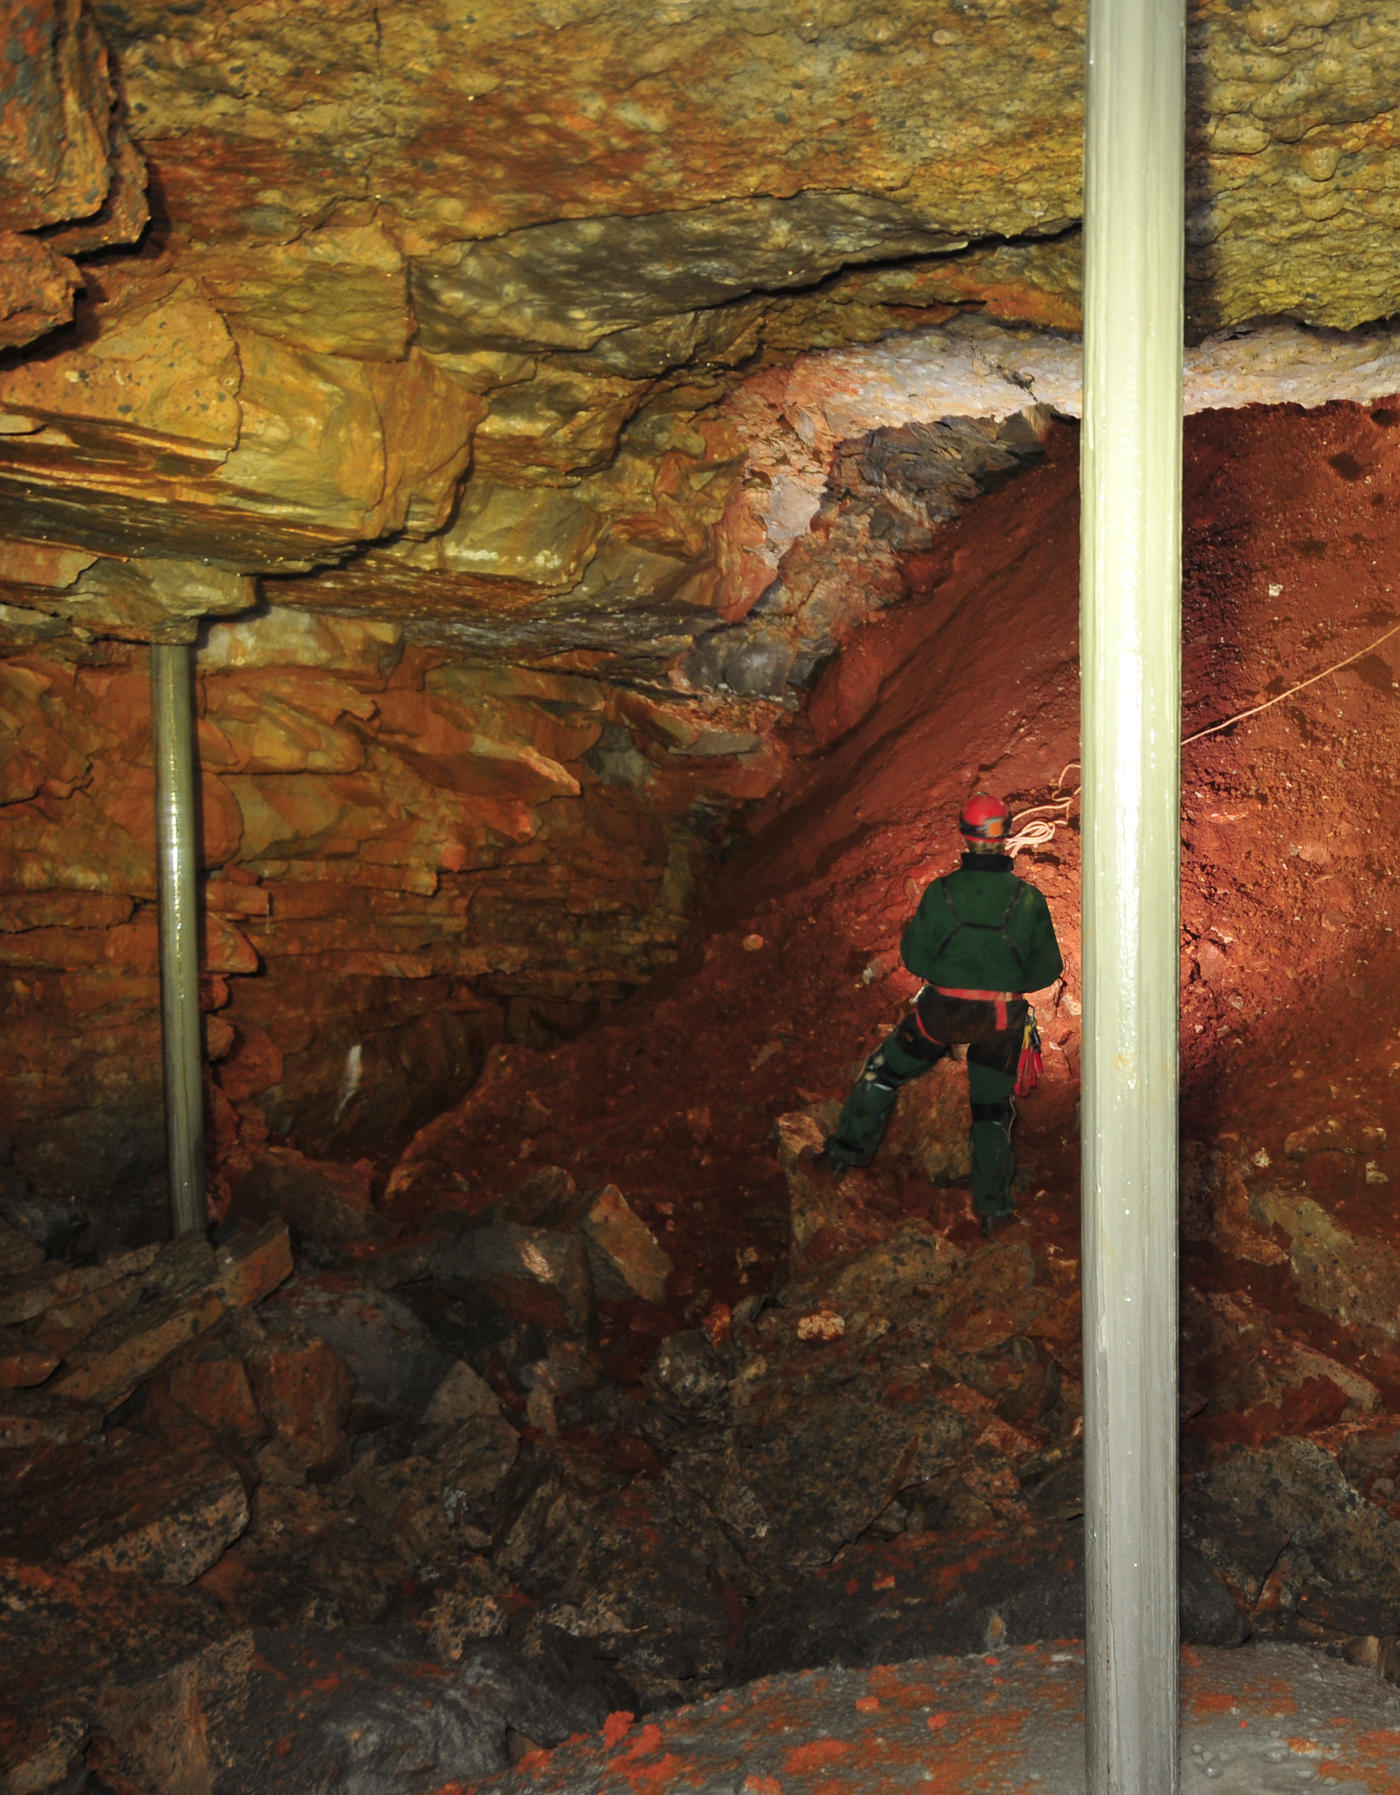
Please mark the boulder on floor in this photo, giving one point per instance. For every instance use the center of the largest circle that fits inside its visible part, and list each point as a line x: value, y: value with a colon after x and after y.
x: 1353, y: 1278
x: 885, y: 1601
x: 644, y: 1572
x: 689, y: 1378
x: 928, y: 1133
x: 31, y: 1418
x: 475, y: 1459
x: 320, y: 1201
x: 22, y: 1367
x: 461, y: 1396
x: 911, y: 1386
x: 113, y: 1325
x: 207, y: 1382
x: 394, y: 1360
x: 525, y: 1274
x: 20, y: 1251
x: 1245, y: 1380
x: 303, y: 1391
x: 624, y: 1255
x: 311, y: 1556
x: 281, y: 1712
x: 66, y: 1632
x: 1244, y: 1508
x: 136, y: 1505
x: 826, y: 1218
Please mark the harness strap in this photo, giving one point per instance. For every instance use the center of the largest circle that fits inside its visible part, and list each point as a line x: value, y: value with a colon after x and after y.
x: 993, y: 928
x: 919, y: 1024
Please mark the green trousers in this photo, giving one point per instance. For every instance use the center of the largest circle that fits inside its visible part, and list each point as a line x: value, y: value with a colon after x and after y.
x: 991, y: 1076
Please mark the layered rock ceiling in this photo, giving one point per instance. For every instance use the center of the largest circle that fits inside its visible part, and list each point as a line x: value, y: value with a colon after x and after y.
x: 545, y: 392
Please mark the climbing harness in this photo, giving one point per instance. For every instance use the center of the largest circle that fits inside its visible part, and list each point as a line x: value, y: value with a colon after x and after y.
x: 1000, y: 998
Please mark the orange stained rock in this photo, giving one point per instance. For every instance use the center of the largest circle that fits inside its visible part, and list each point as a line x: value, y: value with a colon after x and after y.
x: 718, y: 1322
x: 109, y: 1365
x: 648, y: 1739
x: 817, y: 1754
x: 215, y: 1390
x: 252, y: 1264
x: 180, y: 387
x: 617, y: 1726
x: 21, y: 1370
x: 1279, y: 1693
x: 1372, y: 1759
x: 661, y: 1778
x: 303, y: 1392
x: 886, y: 1683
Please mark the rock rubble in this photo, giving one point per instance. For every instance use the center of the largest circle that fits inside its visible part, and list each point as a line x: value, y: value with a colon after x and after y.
x: 402, y: 1513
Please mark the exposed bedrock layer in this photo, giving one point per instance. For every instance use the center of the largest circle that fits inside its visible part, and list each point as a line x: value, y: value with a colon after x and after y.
x: 546, y: 180
x: 407, y: 858
x: 71, y: 181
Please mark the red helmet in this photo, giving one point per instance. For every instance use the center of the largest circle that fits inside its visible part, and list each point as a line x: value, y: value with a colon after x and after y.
x: 984, y: 818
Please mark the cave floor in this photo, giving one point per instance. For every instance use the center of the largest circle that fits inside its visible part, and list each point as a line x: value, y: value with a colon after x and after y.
x: 1259, y: 1720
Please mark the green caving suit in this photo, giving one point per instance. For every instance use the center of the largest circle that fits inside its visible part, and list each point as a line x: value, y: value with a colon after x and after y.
x: 979, y: 928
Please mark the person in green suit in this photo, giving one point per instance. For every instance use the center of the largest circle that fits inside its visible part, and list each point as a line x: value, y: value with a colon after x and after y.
x: 981, y: 939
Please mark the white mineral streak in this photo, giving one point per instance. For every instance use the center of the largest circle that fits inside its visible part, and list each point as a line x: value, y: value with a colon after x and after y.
x: 975, y: 369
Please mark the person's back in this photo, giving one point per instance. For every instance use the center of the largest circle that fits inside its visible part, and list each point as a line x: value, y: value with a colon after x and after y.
x: 982, y: 926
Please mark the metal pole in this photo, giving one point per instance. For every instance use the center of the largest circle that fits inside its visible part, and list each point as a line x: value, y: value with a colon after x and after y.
x: 177, y: 844
x: 1134, y: 219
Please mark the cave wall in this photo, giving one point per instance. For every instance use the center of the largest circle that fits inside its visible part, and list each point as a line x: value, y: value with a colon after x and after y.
x: 71, y: 180
x: 406, y: 859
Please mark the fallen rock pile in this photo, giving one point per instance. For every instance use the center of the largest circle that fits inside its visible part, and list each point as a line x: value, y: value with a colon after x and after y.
x: 402, y: 1509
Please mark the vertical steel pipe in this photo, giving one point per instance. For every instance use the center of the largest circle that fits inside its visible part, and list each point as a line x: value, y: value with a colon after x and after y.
x: 1131, y: 660
x: 177, y: 849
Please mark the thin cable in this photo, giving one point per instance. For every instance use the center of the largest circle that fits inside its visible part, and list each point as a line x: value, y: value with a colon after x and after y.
x: 1336, y: 667
x: 1037, y: 835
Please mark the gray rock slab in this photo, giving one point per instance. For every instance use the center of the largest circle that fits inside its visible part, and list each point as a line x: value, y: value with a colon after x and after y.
x: 1260, y: 1720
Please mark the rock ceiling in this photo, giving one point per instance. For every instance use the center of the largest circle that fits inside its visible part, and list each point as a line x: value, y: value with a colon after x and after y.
x: 482, y: 318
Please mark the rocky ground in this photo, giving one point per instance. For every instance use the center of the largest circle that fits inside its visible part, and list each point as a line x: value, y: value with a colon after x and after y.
x: 403, y: 1511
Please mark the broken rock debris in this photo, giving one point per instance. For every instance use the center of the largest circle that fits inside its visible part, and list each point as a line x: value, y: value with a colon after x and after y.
x: 414, y: 1506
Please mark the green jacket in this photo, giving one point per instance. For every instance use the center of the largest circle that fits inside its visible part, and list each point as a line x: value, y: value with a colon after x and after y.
x: 983, y: 928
